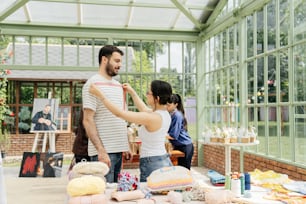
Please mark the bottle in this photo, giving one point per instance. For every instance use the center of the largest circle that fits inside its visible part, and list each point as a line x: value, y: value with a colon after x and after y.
x: 247, y: 181
x: 236, y: 187
x: 228, y: 181
x: 242, y: 183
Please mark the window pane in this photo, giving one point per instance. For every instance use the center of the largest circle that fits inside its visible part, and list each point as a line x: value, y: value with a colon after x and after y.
x: 21, y: 50
x: 86, y: 52
x: 70, y: 54
x: 271, y: 14
x: 43, y: 90
x: 176, y: 55
x: 284, y: 76
x: 250, y: 83
x: 299, y: 20
x: 300, y: 134
x: 38, y: 51
x: 286, y: 144
x: 54, y: 51
x: 260, y: 32
x: 162, y: 56
x: 299, y: 73
x: 284, y: 22
x: 273, y: 139
x: 62, y: 92
x: 26, y: 93
x: 250, y: 36
x: 271, y: 79
x: 77, y: 92
x: 260, y: 80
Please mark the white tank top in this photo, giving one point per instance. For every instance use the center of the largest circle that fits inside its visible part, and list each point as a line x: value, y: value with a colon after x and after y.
x: 153, y: 143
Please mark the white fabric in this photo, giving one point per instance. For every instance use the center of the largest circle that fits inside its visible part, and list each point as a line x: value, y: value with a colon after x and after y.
x: 151, y: 142
x: 112, y: 130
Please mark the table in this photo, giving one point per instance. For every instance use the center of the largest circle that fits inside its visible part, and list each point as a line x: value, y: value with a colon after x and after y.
x: 227, y: 147
x: 45, y: 134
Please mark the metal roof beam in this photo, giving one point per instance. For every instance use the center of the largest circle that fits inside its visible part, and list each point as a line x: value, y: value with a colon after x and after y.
x: 187, y: 13
x: 11, y: 9
x: 130, y: 3
x: 94, y: 32
x: 27, y: 13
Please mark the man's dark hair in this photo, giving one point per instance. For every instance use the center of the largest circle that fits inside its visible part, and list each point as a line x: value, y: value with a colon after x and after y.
x: 107, y: 51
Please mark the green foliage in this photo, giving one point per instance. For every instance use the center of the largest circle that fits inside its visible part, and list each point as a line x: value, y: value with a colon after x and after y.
x: 5, y: 112
x: 24, y: 118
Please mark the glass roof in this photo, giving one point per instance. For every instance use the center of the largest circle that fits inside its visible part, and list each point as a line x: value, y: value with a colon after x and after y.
x: 166, y: 15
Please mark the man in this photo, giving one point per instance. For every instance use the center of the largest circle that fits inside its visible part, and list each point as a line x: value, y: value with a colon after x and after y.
x: 107, y: 133
x: 42, y: 119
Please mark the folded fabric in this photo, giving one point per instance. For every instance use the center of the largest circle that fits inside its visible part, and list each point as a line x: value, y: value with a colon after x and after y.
x: 169, y: 178
x: 90, y: 199
x: 127, y: 195
x: 90, y: 168
x: 86, y: 185
x: 296, y: 186
x: 215, y: 177
x: 268, y: 177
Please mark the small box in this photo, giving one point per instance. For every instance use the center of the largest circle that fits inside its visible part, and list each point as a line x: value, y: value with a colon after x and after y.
x: 224, y: 140
x: 213, y: 139
x: 252, y: 139
x: 233, y: 140
x: 245, y: 140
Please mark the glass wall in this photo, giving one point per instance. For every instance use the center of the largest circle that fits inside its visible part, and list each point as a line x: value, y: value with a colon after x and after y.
x: 143, y: 61
x: 274, y: 98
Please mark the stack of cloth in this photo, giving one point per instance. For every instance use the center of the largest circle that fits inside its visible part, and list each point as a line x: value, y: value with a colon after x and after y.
x: 87, y: 183
x: 215, y: 178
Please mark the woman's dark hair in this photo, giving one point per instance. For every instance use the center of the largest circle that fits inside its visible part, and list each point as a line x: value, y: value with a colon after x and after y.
x: 176, y: 99
x: 161, y: 89
x: 107, y: 51
x: 81, y: 140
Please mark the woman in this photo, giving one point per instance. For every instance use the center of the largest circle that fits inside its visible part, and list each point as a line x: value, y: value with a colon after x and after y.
x: 178, y: 134
x: 154, y: 120
x: 80, y: 144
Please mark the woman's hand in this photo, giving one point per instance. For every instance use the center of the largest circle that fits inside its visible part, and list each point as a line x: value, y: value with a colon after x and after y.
x: 128, y: 88
x: 93, y: 89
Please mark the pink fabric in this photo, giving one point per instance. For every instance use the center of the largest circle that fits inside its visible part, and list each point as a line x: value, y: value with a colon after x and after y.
x: 90, y: 199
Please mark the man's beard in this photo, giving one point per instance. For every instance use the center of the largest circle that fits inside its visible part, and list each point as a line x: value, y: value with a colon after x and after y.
x: 110, y: 70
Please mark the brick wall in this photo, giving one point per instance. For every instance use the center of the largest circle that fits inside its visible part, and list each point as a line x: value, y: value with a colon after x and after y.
x: 64, y: 142
x: 214, y: 158
x: 24, y: 143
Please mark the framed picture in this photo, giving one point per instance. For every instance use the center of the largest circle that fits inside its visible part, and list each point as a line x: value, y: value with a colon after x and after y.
x: 44, y: 114
x: 29, y: 165
x: 52, y: 164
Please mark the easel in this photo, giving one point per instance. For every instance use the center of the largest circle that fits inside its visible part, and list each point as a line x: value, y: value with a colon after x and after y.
x: 45, y: 135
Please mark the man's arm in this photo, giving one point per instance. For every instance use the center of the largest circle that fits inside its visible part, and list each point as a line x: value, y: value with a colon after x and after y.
x: 93, y: 135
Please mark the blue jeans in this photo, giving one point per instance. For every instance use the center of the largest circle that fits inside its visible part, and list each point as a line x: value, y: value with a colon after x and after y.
x: 148, y: 164
x: 188, y: 151
x: 116, y: 163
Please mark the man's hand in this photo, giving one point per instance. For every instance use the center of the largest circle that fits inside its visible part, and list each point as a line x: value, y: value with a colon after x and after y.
x: 128, y: 156
x: 103, y: 157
